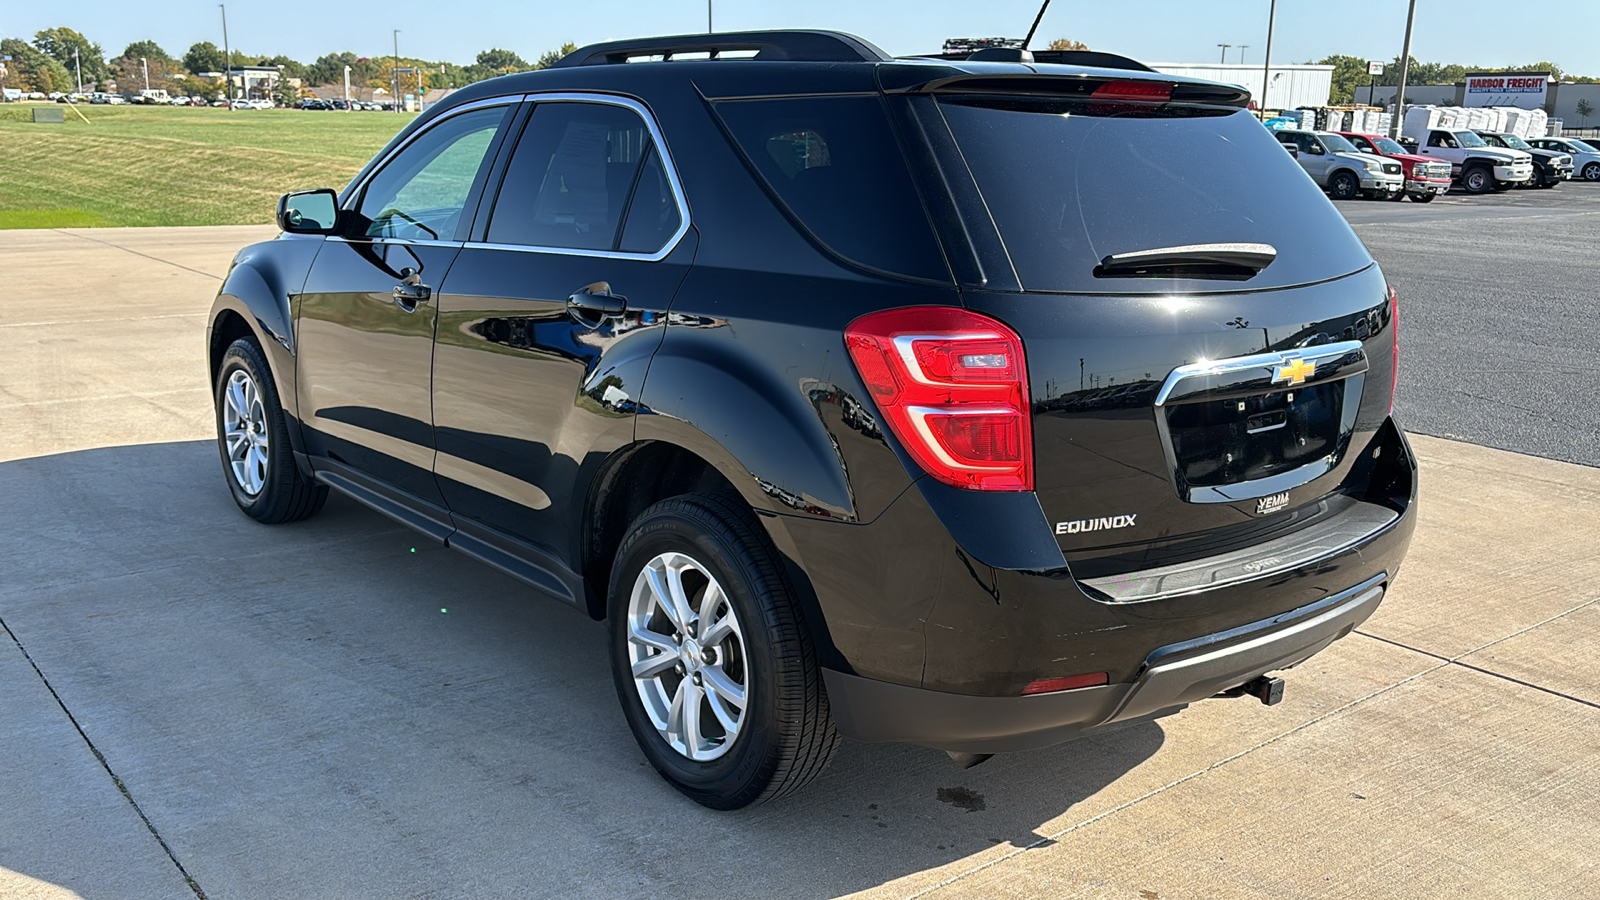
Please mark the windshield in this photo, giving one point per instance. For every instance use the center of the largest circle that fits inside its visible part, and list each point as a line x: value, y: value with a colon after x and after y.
x: 1468, y: 139
x: 1514, y: 141
x: 1388, y: 147
x: 1585, y: 147
x: 1338, y: 144
x: 1066, y: 188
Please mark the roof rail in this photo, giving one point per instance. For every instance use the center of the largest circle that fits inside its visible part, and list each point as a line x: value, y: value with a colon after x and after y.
x: 793, y: 46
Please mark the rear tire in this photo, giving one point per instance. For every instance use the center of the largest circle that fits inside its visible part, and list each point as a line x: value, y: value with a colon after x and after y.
x: 1477, y: 180
x: 1344, y: 186
x: 714, y: 668
x: 253, y: 439
x: 1591, y: 172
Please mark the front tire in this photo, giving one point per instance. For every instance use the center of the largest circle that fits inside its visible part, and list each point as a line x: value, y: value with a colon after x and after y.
x: 1591, y: 172
x: 715, y: 671
x: 1344, y: 186
x: 1422, y: 198
x: 1478, y: 180
x: 253, y: 439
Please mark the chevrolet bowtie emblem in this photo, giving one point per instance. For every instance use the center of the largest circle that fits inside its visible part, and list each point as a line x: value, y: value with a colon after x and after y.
x: 1296, y: 371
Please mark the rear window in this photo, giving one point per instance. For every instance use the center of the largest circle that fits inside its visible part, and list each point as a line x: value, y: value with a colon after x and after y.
x: 834, y: 163
x: 1068, y: 187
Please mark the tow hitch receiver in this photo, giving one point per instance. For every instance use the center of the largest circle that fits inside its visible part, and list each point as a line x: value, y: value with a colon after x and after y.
x: 1266, y: 689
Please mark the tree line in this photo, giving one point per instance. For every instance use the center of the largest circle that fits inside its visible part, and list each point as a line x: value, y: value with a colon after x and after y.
x: 55, y: 58
x: 1350, y: 74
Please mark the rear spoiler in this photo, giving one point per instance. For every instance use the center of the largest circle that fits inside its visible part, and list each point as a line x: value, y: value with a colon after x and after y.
x: 1086, y: 86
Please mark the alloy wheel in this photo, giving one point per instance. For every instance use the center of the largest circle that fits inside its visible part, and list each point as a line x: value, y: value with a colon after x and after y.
x: 244, y: 421
x: 687, y: 655
x: 1591, y: 172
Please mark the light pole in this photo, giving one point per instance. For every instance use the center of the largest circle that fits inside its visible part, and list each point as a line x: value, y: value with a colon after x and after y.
x: 709, y: 29
x: 79, y: 67
x: 394, y: 76
x: 145, y: 64
x: 227, y: 56
x: 1266, y: 65
x: 1242, y: 49
x: 1224, y: 52
x: 346, y: 88
x: 1405, y: 69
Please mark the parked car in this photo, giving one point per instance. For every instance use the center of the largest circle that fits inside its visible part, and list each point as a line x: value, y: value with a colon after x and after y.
x: 1585, y: 155
x: 1425, y: 178
x: 845, y: 408
x: 1550, y: 167
x: 1342, y: 170
x: 1479, y: 167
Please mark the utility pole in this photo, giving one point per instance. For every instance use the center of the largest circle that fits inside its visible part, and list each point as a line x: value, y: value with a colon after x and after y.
x: 227, y: 56
x: 709, y: 29
x: 1405, y: 69
x: 1224, y: 52
x: 394, y: 76
x: 1266, y: 70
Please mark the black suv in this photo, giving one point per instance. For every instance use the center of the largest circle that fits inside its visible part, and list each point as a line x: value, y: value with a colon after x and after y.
x: 974, y: 403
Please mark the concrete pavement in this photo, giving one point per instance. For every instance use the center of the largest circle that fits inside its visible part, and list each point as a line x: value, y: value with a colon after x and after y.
x: 318, y: 711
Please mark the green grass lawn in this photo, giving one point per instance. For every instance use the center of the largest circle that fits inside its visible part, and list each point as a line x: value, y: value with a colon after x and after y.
x: 149, y: 165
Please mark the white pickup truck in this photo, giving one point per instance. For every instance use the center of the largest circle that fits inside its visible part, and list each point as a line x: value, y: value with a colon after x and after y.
x: 1477, y: 166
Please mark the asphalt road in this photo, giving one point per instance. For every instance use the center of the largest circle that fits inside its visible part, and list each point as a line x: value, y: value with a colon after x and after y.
x: 1499, y: 315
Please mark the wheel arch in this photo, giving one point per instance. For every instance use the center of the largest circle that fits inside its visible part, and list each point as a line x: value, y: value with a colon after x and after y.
x: 645, y: 472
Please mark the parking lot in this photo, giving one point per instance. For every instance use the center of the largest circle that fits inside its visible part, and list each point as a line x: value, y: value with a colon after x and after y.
x: 197, y: 705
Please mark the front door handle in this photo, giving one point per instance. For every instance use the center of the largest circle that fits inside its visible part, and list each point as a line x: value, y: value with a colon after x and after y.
x: 411, y: 291
x: 597, y: 298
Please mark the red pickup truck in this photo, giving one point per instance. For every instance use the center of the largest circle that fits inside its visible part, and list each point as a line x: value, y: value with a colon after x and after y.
x: 1426, y: 178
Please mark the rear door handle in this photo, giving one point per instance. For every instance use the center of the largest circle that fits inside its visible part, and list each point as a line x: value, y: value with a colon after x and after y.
x: 411, y: 291
x: 597, y: 298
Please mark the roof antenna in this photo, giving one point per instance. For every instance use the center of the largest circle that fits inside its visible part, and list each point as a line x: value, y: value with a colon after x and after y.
x: 1036, y: 20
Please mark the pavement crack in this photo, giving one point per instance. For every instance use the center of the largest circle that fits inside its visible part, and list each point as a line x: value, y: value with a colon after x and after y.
x: 137, y: 253
x: 104, y: 764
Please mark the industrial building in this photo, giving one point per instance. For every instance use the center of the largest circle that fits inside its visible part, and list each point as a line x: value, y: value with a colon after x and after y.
x: 1291, y: 87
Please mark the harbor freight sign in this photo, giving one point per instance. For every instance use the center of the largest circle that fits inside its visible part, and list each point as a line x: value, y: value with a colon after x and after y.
x: 1524, y: 90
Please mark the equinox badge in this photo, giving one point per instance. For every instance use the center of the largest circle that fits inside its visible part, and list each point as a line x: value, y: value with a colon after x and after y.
x: 1103, y: 523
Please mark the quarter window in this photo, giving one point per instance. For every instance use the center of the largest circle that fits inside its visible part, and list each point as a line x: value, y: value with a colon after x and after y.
x: 570, y: 178
x: 421, y: 193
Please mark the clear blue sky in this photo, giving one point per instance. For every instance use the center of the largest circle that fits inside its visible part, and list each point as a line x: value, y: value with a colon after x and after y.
x: 1567, y: 32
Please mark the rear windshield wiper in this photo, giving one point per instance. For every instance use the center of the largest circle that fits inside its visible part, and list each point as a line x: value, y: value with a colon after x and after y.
x: 1231, y: 262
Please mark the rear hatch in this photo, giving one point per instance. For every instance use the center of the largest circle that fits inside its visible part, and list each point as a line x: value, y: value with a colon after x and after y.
x: 1207, y: 396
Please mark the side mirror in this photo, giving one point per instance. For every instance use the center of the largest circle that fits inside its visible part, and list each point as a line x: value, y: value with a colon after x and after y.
x: 309, y: 212
x: 1317, y: 151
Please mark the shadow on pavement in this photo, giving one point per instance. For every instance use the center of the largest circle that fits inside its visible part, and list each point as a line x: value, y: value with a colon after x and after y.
x: 334, y: 708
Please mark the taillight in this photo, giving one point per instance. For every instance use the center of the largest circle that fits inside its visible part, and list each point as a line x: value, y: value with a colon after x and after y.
x: 1151, y: 91
x: 952, y: 385
x: 1394, y: 330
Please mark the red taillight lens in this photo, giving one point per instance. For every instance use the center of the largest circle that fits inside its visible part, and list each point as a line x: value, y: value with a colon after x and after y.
x: 1069, y: 683
x: 1151, y: 91
x: 1394, y: 329
x: 952, y: 385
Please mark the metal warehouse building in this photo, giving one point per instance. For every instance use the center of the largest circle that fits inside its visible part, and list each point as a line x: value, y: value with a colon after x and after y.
x: 1292, y: 86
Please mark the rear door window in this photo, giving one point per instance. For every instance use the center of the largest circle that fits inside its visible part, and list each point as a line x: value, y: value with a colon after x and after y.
x: 1068, y: 187
x: 835, y: 163
x: 570, y: 177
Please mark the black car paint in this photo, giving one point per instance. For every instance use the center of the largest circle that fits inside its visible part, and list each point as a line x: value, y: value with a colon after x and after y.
x: 731, y: 350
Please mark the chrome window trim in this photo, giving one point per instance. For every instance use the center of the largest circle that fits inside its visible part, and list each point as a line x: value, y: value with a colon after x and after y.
x: 361, y: 188
x: 667, y: 166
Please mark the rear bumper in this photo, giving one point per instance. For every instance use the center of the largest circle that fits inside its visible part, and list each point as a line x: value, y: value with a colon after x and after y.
x: 1172, y: 677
